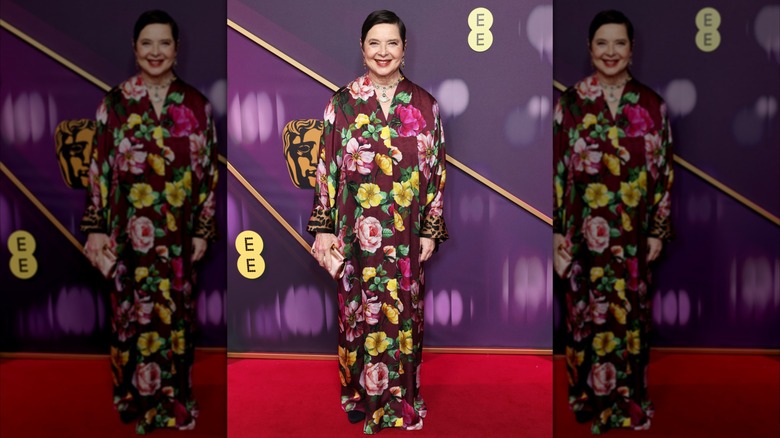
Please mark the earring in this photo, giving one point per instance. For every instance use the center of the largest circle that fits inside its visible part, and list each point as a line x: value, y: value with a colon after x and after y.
x: 175, y: 62
x: 403, y: 62
x: 630, y: 62
x: 364, y: 63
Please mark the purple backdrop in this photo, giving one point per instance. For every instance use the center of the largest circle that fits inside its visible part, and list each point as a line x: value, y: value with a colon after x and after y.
x: 489, y: 285
x: 718, y: 283
x: 63, y: 307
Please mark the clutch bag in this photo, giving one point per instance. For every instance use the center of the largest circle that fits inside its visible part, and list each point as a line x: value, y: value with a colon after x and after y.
x: 106, y: 262
x: 334, y: 262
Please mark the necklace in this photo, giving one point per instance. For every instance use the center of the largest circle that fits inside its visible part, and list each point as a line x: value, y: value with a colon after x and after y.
x: 611, y: 97
x: 155, y: 88
x: 385, y: 98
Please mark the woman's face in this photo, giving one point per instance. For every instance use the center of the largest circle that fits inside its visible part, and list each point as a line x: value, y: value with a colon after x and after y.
x: 383, y: 50
x: 610, y: 50
x: 155, y: 51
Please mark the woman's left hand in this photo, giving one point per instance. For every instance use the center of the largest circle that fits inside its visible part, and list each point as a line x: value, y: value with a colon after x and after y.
x: 654, y: 247
x: 427, y: 245
x: 199, y: 246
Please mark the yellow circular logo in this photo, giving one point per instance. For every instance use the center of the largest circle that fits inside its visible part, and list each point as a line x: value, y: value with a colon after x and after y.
x: 250, y: 263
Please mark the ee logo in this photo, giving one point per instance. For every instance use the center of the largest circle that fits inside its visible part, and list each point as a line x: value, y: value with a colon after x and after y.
x: 480, y: 22
x: 249, y: 246
x: 708, y: 22
x: 22, y: 245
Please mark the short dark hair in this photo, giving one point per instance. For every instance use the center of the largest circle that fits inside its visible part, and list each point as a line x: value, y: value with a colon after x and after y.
x: 155, y: 17
x: 610, y: 17
x: 382, y: 17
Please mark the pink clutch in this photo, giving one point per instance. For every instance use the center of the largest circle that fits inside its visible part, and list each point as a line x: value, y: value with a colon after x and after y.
x: 334, y: 262
x: 106, y: 262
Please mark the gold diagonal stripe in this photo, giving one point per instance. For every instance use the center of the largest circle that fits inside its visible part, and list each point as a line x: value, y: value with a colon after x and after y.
x: 31, y: 41
x: 469, y: 171
x: 712, y: 181
x: 267, y: 206
x: 40, y: 206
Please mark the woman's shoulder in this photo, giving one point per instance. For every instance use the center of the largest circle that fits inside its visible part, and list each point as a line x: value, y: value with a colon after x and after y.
x: 645, y: 93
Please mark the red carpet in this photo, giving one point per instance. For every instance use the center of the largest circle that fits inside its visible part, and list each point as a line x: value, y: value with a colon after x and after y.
x: 72, y: 398
x: 696, y: 395
x: 467, y: 396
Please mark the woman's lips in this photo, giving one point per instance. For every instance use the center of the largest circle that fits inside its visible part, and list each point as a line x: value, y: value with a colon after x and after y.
x: 382, y: 63
x: 610, y: 62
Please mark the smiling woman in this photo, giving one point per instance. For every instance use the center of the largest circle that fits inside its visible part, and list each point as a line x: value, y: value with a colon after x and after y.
x: 150, y: 213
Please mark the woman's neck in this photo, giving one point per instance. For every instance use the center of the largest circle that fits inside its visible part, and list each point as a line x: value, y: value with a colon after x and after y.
x: 385, y: 81
x: 157, y: 81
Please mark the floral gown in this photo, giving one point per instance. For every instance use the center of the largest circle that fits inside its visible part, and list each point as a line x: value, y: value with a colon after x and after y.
x: 612, y: 178
x: 151, y: 190
x: 380, y: 183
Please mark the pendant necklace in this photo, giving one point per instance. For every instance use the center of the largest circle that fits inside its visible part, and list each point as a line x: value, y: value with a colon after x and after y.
x: 385, y: 98
x: 155, y: 89
x: 611, y: 97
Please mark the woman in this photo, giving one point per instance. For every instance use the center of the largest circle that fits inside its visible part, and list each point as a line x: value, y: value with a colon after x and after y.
x: 378, y: 199
x: 612, y: 176
x: 151, y: 200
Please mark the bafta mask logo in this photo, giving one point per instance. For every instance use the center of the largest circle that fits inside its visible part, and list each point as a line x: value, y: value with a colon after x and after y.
x: 302, y: 150
x: 74, y: 151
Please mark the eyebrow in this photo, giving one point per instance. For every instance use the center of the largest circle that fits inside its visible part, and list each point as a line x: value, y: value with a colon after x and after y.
x: 371, y: 40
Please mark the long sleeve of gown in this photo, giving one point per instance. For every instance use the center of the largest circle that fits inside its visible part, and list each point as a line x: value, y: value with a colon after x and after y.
x: 96, y: 217
x: 323, y: 215
x: 560, y: 160
x: 663, y: 173
x: 433, y: 225
x: 204, y: 209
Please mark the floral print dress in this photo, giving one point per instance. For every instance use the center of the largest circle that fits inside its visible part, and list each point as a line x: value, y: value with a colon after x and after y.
x: 612, y: 178
x: 379, y: 189
x: 152, y: 183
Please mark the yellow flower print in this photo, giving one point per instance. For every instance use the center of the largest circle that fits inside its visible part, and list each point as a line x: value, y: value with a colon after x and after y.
x: 574, y: 358
x: 613, y: 134
x: 620, y: 285
x: 385, y: 135
x: 164, y: 313
x: 141, y: 272
x: 347, y: 358
x: 385, y: 163
x: 596, y: 195
x: 118, y: 357
x: 414, y: 180
x: 133, y: 120
x: 331, y: 192
x: 390, y: 312
x: 626, y: 219
x: 399, y: 422
x: 174, y: 194
x: 368, y: 273
x: 142, y: 195
x: 148, y: 343
x: 619, y: 313
x: 589, y: 120
x: 402, y: 193
x: 405, y: 343
x: 630, y: 194
x: 558, y: 193
x: 605, y: 415
x: 157, y: 163
x: 186, y: 180
x: 369, y: 195
x: 165, y: 287
x: 378, y: 414
x: 392, y: 285
x: 633, y: 341
x: 149, y: 415
x: 376, y: 343
x: 170, y: 220
x: 604, y: 343
x: 429, y: 198
x: 178, y: 342
x: 361, y: 120
x: 612, y: 162
x: 656, y: 198
x: 596, y: 272
x: 157, y: 134
x: 398, y: 221
x: 641, y: 180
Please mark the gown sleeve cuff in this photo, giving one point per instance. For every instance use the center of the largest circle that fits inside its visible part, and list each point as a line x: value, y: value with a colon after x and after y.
x: 93, y: 221
x: 320, y: 222
x: 206, y: 228
x: 433, y: 227
x: 662, y: 229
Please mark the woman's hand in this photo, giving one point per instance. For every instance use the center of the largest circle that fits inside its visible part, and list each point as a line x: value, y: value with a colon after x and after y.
x: 654, y: 247
x: 94, y: 246
x: 561, y: 255
x: 427, y: 245
x: 199, y: 246
x: 322, y: 244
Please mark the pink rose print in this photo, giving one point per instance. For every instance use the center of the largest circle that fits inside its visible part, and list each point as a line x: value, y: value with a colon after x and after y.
x: 599, y: 308
x: 372, y: 309
x: 369, y: 233
x: 184, y: 121
x: 412, y: 121
x: 639, y: 120
x: 101, y: 116
x: 586, y: 157
x: 602, y: 378
x: 358, y: 157
x: 141, y: 231
x: 198, y: 154
x: 579, y: 318
x: 405, y: 265
x: 147, y: 378
x: 143, y: 307
x: 330, y: 114
x: 361, y: 88
x: 596, y: 230
x: 374, y: 378
x: 123, y: 321
x: 409, y: 414
x: 426, y: 153
x: 653, y: 154
x: 133, y: 88
x: 353, y: 317
x: 589, y: 88
x: 130, y: 157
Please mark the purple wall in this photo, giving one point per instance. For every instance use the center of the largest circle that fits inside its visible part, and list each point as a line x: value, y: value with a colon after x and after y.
x: 63, y: 307
x: 718, y: 284
x: 489, y: 284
